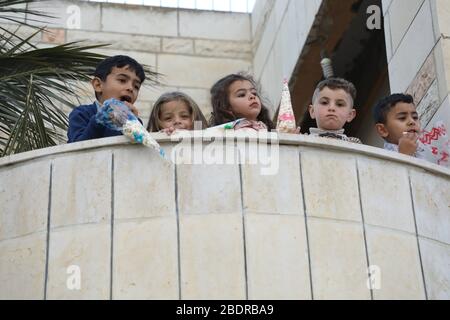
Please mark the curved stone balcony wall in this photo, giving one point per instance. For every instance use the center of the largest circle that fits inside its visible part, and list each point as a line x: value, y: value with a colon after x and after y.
x: 106, y: 219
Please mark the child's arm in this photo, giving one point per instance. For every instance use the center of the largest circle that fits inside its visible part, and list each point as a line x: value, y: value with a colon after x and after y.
x: 83, y: 127
x: 408, y: 143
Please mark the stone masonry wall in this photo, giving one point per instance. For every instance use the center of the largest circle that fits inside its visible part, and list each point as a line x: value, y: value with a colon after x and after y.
x: 418, y: 51
x: 192, y: 48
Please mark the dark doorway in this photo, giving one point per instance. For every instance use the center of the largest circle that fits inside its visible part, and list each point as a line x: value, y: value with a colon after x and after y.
x: 358, y: 55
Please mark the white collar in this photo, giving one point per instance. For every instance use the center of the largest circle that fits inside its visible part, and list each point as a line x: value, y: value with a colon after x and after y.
x: 320, y: 131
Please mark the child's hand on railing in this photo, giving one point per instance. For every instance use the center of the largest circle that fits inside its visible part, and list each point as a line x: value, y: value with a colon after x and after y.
x: 169, y: 131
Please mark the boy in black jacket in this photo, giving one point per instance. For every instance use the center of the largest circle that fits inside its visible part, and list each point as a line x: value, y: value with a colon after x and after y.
x: 117, y: 77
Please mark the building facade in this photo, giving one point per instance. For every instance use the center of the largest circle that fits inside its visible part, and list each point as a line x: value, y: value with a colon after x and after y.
x: 105, y: 219
x: 382, y: 46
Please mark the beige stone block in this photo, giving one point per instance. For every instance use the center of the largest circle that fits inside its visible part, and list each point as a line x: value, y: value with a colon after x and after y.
x: 415, y: 47
x: 54, y: 36
x: 307, y: 12
x: 277, y: 257
x: 439, y: 60
x: 446, y: 56
x: 144, y: 108
x: 259, y: 13
x: 212, y: 257
x: 215, y: 25
x: 436, y: 266
x: 279, y: 10
x: 41, y: 45
x: 270, y: 79
x: 272, y: 193
x: 144, y: 58
x: 404, y: 12
x: 330, y: 185
x: 22, y: 266
x: 82, y: 89
x: 386, y: 202
x: 169, y: 147
x: 148, y: 20
x: 338, y: 260
x: 423, y: 80
x: 151, y: 92
x: 145, y: 259
x: 431, y: 201
x: 287, y: 46
x: 80, y: 255
x: 263, y: 49
x: 443, y: 12
x: 178, y: 45
x: 231, y: 49
x: 144, y: 184
x: 67, y: 14
x: 385, y: 4
x: 24, y: 192
x: 15, y: 17
x: 398, y: 273
x: 203, y: 99
x: 282, y: 63
x: 387, y: 36
x: 429, y: 104
x: 208, y: 188
x: 81, y: 189
x: 22, y: 31
x: 179, y: 70
x: 116, y: 41
x: 437, y: 33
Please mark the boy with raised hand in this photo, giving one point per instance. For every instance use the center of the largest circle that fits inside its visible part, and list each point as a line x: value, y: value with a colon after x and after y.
x: 397, y: 122
x: 118, y: 77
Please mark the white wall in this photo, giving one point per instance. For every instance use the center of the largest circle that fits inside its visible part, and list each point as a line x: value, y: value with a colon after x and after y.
x: 279, y: 30
x: 418, y: 52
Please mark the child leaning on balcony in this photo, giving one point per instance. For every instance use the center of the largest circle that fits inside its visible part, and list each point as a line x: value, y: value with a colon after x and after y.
x: 175, y: 111
x: 118, y: 77
x: 397, y: 122
x: 236, y: 102
x: 332, y: 107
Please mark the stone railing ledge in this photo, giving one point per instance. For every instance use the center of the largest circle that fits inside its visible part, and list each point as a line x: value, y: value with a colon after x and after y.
x: 282, y: 139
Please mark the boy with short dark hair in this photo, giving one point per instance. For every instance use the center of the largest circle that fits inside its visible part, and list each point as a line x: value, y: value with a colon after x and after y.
x: 118, y: 77
x: 332, y: 107
x: 397, y: 122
